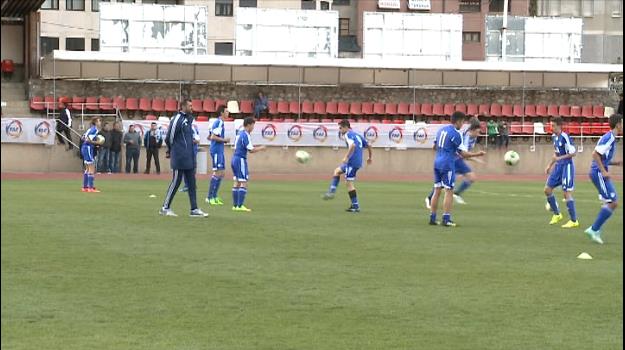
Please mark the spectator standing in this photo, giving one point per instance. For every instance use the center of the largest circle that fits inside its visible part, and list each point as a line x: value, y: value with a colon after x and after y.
x: 492, y: 132
x: 104, y: 153
x: 261, y: 104
x: 63, y: 125
x: 153, y: 140
x: 504, y: 134
x: 620, y: 105
x: 116, y: 147
x: 132, y: 140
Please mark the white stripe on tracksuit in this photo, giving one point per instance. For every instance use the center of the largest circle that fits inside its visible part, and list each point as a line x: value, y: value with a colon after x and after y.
x: 170, y: 190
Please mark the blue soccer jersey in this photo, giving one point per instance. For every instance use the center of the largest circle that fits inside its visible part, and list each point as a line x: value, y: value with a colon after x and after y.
x: 196, y: 138
x: 563, y: 145
x: 449, y: 143
x: 88, y: 149
x: 353, y: 138
x: 606, y: 147
x: 243, y: 143
x: 219, y: 130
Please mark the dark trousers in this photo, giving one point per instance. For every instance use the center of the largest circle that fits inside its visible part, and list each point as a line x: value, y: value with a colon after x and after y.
x: 503, y: 141
x: 65, y: 131
x: 152, y: 152
x: 189, y: 177
x: 103, y: 160
x: 132, y: 154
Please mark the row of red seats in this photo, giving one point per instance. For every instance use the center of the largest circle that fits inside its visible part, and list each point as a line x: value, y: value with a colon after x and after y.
x: 320, y: 108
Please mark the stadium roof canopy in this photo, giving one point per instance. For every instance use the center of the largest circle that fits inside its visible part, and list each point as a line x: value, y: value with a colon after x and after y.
x: 19, y: 8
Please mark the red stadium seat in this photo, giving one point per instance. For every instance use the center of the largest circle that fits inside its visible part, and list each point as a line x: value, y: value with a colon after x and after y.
x: 355, y: 108
x: 326, y: 120
x: 362, y: 120
x: 343, y: 108
x: 426, y: 109
x: 49, y: 102
x: 516, y: 128
x: 308, y: 107
x: 586, y: 128
x: 414, y: 109
x: 399, y: 121
x: 507, y: 111
x: 264, y: 119
x: 158, y: 105
x: 36, y: 103
x: 283, y: 107
x: 208, y: 106
x: 438, y: 109
x: 294, y: 107
x: 517, y: 111
x: 76, y: 103
x: 484, y: 109
x: 387, y: 121
x: 564, y: 111
x: 246, y: 106
x: 587, y: 111
x: 378, y: 108
x: 106, y: 104
x: 91, y: 104
x: 7, y: 66
x: 403, y: 109
x: 598, y: 111
x: 277, y: 119
x: 337, y: 120
x: 460, y: 107
x: 574, y: 128
x: 530, y: 110
x: 144, y: 104
x: 202, y: 118
x: 528, y: 129
x: 495, y: 110
x: 273, y: 107
x: 541, y: 110
x: 332, y: 108
x: 151, y: 117
x: 289, y: 120
x: 132, y: 104
x: 472, y: 109
x: 196, y: 104
x: 390, y: 109
x: 576, y: 111
x: 314, y: 120
x: 119, y: 103
x: 605, y: 128
x: 219, y: 103
x: 552, y: 111
x: 319, y: 108
x: 171, y: 105
x: 448, y: 109
x: 367, y: 108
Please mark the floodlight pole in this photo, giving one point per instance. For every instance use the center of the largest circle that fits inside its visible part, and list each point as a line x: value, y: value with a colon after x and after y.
x: 504, y: 31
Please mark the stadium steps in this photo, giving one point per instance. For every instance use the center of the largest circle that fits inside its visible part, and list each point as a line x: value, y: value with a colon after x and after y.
x: 14, y: 96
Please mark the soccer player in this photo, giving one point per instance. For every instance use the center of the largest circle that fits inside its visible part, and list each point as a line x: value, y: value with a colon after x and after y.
x: 563, y: 174
x: 180, y: 145
x: 87, y: 150
x: 196, y: 149
x: 469, y: 139
x: 218, y: 140
x: 243, y: 145
x: 350, y: 164
x: 600, y: 175
x: 448, y: 144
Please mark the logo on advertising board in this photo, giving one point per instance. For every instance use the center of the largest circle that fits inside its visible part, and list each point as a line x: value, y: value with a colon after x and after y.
x: 42, y: 129
x: 295, y: 133
x: 269, y: 132
x: 371, y: 134
x: 421, y: 135
x: 396, y: 134
x: 139, y: 128
x: 14, y: 129
x: 321, y: 133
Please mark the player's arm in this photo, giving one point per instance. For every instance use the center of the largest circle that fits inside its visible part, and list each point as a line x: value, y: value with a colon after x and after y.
x: 571, y: 152
x: 350, y: 151
x: 596, y: 156
x: 254, y: 149
x: 214, y: 135
x: 370, y: 151
x: 468, y: 155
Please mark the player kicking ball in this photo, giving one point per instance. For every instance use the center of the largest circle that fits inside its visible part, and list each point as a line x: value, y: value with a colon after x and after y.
x: 561, y: 171
x: 600, y: 176
x: 469, y: 139
x: 243, y: 145
x: 350, y: 165
x: 448, y: 144
x: 87, y: 151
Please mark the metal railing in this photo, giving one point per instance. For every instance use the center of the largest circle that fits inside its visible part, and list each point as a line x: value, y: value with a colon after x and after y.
x: 52, y: 112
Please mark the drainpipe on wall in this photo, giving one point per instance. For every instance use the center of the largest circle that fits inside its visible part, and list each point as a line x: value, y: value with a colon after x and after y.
x: 504, y: 31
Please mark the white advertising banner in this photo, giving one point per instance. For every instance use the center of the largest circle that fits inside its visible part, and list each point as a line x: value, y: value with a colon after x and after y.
x: 398, y: 136
x: 28, y: 130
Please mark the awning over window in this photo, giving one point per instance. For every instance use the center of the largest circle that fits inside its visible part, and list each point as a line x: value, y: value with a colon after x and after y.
x: 419, y: 5
x: 389, y: 4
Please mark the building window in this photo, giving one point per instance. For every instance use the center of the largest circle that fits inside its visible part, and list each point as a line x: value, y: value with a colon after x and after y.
x: 223, y: 8
x: 48, y: 44
x: 95, y: 44
x: 325, y: 6
x: 248, y: 3
x: 75, y: 5
x: 160, y: 2
x: 343, y: 26
x: 309, y: 5
x: 340, y: 3
x: 75, y: 44
x: 471, y: 37
x: 50, y: 5
x: 497, y: 6
x: 588, y: 8
x: 224, y: 49
x: 470, y: 6
x: 95, y: 5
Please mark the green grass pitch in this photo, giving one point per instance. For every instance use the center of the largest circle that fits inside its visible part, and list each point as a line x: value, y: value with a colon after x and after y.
x: 104, y: 271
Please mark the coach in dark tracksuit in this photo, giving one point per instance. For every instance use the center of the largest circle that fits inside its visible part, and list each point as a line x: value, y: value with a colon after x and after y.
x: 179, y: 141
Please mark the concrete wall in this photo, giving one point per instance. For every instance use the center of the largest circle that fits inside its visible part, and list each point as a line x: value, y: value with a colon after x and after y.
x: 64, y: 24
x: 36, y: 158
x: 12, y: 42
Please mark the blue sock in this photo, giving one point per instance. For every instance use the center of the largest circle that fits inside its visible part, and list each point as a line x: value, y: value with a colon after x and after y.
x: 334, y: 184
x: 431, y: 195
x: 217, y: 184
x: 572, y: 212
x: 353, y: 196
x: 91, y: 181
x: 235, y: 196
x: 242, y: 193
x: 464, y: 186
x: 446, y: 217
x: 551, y: 199
x: 85, y: 180
x: 211, y: 188
x: 604, y: 215
x: 432, y: 217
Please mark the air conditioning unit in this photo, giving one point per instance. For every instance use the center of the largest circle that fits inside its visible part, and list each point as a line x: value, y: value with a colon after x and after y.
x: 616, y: 14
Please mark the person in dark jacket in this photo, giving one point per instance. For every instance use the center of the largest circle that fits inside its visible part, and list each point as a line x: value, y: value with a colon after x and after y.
x: 620, y: 105
x: 104, y: 152
x: 116, y: 147
x: 63, y: 125
x: 179, y: 141
x: 132, y: 140
x: 152, y: 140
x: 261, y: 104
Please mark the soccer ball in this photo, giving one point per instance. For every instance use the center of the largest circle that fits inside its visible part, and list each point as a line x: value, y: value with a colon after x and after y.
x: 302, y: 157
x: 99, y: 139
x: 511, y: 158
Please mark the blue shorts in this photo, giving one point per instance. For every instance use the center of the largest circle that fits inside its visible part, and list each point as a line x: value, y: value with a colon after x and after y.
x: 445, y: 178
x: 87, y: 154
x: 219, y: 161
x: 607, y: 193
x: 462, y: 167
x: 562, y: 175
x: 349, y: 171
x: 240, y: 169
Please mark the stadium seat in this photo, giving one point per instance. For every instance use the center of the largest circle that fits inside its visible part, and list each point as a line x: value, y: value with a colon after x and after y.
x: 294, y: 107
x: 403, y: 109
x: 355, y: 108
x: 516, y: 128
x: 541, y: 111
x: 283, y: 107
x: 219, y: 103
x: 314, y: 120
x: 552, y: 111
x: 362, y: 120
x: 119, y: 103
x: 343, y: 108
x: 495, y: 110
x: 36, y: 103
x: 337, y: 120
x: 564, y: 110
x: 438, y: 109
x: 49, y: 102
x: 484, y: 110
x: 202, y: 118
x: 539, y: 128
x: 378, y: 108
x: 208, y: 106
x: 319, y: 108
x: 587, y: 111
x: 586, y: 128
x: 530, y: 110
x: 574, y: 128
x: 289, y: 120
x: 332, y: 108
x: 507, y: 111
x: 387, y: 121
x: 76, y: 104
x: 472, y: 109
x: 247, y: 106
x: 91, y: 104
x: 273, y: 107
x: 414, y: 109
x: 528, y: 129
x: 132, y: 104
x: 597, y: 111
x: 517, y: 111
x: 460, y: 107
x: 399, y: 121
x: 264, y: 119
x: 233, y: 107
x: 326, y: 120
x: 106, y: 104
x: 144, y: 104
x: 158, y: 105
x: 426, y: 109
x: 7, y: 66
x: 171, y: 105
x: 367, y: 108
x: 277, y: 119
x: 196, y: 104
x: 448, y: 109
x: 576, y: 111
x: 308, y: 107
x: 390, y: 109
x: 151, y: 117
